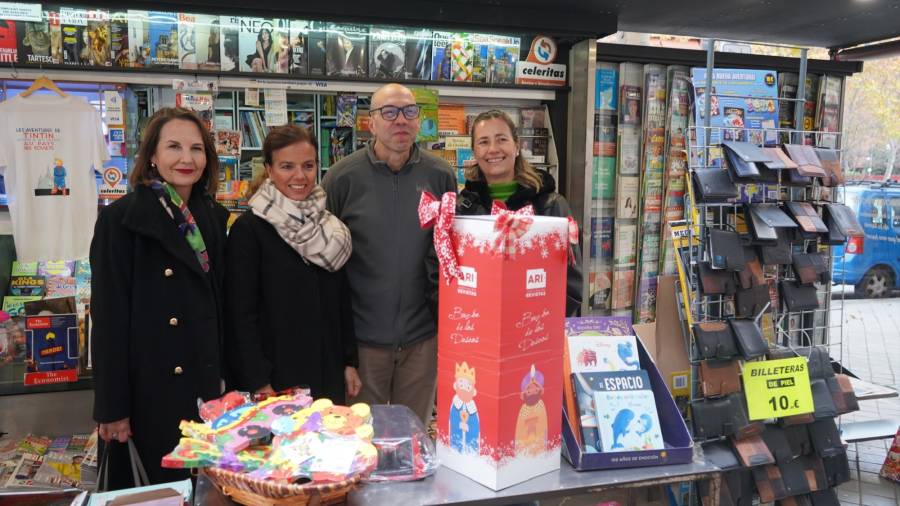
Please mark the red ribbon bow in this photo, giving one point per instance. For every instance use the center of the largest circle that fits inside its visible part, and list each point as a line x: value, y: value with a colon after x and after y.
x: 440, y: 213
x: 510, y: 226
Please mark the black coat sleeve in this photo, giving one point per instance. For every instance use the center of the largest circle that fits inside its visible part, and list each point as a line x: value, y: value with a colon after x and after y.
x: 560, y: 207
x: 112, y: 259
x: 348, y: 333
x: 244, y: 353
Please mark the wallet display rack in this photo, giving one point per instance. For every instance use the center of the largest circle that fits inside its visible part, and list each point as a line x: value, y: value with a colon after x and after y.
x: 754, y: 263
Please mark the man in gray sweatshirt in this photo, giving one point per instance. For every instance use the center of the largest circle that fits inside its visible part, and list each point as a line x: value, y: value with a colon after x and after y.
x: 393, y: 270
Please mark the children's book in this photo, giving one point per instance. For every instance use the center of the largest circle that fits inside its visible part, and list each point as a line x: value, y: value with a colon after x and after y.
x: 56, y: 268
x: 28, y: 286
x: 626, y: 411
x: 591, y: 351
x: 14, y: 305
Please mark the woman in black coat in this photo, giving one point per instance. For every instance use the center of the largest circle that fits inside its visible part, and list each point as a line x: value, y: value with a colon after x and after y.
x: 156, y: 297
x: 288, y: 306
x: 501, y: 173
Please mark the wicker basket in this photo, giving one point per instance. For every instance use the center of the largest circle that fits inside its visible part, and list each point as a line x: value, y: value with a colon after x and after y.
x: 245, y: 490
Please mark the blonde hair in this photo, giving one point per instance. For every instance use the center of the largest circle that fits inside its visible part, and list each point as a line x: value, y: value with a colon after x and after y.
x: 523, y: 172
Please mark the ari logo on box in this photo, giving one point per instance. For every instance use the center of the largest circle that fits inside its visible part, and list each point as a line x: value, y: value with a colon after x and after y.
x: 468, y: 281
x: 535, y: 282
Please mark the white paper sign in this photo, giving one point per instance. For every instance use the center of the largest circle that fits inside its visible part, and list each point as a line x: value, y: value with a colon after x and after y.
x: 276, y: 108
x: 251, y: 97
x: 15, y: 11
x: 114, y: 108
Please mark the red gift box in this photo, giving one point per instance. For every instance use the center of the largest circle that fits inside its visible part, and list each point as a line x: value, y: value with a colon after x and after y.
x: 500, y: 348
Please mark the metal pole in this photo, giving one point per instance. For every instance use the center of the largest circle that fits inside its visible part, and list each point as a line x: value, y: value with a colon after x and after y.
x: 707, y: 103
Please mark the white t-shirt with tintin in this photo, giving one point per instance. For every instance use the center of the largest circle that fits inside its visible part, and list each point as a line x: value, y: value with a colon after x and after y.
x: 49, y: 147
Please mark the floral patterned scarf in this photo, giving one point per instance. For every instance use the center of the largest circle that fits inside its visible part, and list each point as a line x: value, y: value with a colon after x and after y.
x: 169, y: 198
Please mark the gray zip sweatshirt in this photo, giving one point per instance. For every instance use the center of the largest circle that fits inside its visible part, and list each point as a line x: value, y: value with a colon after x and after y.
x: 392, y: 272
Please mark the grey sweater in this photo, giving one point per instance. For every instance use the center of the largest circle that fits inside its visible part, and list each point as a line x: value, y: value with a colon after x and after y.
x: 392, y: 272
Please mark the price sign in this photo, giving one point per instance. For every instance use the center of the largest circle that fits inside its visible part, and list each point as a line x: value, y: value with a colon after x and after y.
x: 777, y: 388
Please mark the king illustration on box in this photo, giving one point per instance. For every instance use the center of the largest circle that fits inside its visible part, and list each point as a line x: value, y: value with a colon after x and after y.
x: 464, y: 426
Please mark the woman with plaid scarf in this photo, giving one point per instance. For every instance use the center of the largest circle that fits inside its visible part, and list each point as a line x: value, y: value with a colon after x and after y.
x: 287, y: 302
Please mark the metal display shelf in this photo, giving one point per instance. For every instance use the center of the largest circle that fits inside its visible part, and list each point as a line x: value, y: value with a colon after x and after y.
x: 450, y: 487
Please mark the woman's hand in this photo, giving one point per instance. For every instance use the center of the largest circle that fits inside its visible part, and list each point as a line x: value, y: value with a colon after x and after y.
x: 115, y: 431
x: 354, y: 384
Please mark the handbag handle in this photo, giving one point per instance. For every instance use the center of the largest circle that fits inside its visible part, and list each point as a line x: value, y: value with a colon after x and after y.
x: 138, y: 473
x: 137, y: 467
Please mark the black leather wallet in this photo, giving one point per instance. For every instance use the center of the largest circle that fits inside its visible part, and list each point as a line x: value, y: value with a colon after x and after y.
x: 772, y: 215
x: 797, y: 500
x: 803, y: 475
x: 725, y: 250
x: 777, y: 442
x: 822, y: 401
x: 826, y: 440
x: 798, y: 440
x: 761, y: 231
x: 725, y: 416
x: 716, y: 282
x: 721, y: 455
x: 749, y: 303
x: 715, y: 340
x: 749, y: 338
x: 747, y: 160
x: 816, y: 356
x: 811, y: 268
x: 837, y: 469
x: 779, y: 252
x: 835, y: 236
x: 713, y: 185
x: 798, y: 297
x: 845, y: 219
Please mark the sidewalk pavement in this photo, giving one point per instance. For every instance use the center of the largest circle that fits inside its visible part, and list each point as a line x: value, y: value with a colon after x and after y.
x: 870, y: 349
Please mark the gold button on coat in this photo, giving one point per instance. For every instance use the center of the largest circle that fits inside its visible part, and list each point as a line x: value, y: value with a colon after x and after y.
x: 173, y: 322
x: 168, y: 273
x: 178, y: 370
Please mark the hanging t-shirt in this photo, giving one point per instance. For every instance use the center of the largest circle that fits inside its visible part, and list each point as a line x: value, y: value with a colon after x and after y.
x: 49, y: 146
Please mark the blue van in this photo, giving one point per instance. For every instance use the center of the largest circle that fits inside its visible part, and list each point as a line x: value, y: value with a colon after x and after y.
x: 871, y: 263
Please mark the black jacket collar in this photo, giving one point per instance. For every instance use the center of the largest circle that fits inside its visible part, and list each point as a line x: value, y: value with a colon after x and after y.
x: 146, y: 215
x: 523, y: 195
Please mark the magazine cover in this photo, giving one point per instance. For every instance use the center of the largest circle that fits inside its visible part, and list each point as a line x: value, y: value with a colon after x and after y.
x: 60, y: 286
x: 118, y: 38
x: 98, y: 38
x: 626, y: 412
x: 257, y: 50
x: 677, y: 118
x: 229, y: 43
x: 28, y: 466
x: 228, y: 142
x: 735, y: 117
x: 40, y: 41
x: 387, y: 53
x: 298, y: 32
x: 441, y: 55
x: 73, y: 26
x: 138, y: 38
x: 9, y: 52
x: 317, y: 48
x: 418, y: 54
x: 201, y: 103
x: 282, y: 53
x: 163, y: 39
x: 346, y: 109
x: 428, y: 117
x: 481, y: 51
x: 627, y: 196
x: 60, y: 469
x: 14, y: 305
x: 503, y: 54
x: 28, y: 286
x: 198, y: 42
x: 56, y: 268
x: 52, y: 342
x: 606, y: 96
x: 462, y: 57
x: 347, y: 50
x: 828, y: 111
